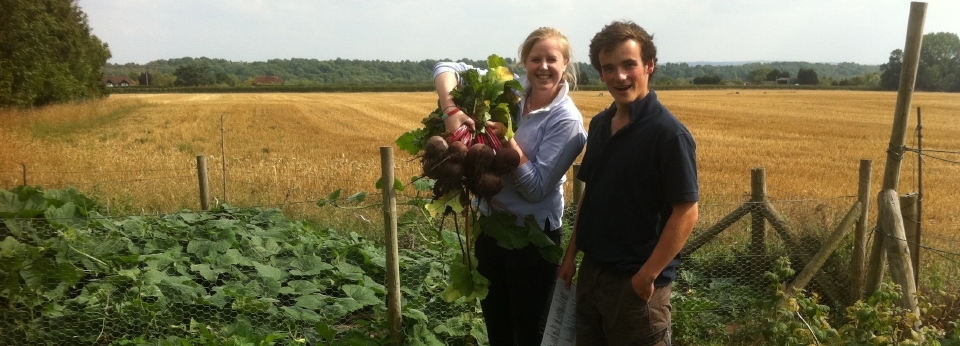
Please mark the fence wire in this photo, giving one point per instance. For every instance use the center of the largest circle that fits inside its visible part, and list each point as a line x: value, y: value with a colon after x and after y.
x: 107, y: 280
x: 167, y: 273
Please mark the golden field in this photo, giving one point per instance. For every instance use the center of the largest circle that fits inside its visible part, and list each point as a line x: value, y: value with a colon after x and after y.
x: 137, y: 153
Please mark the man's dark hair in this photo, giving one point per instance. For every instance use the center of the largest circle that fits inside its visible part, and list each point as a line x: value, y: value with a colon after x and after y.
x: 618, y: 32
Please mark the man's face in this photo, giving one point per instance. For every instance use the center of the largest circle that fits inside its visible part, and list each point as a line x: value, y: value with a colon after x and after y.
x: 624, y: 73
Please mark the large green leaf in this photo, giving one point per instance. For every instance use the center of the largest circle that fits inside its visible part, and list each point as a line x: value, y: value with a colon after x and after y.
x: 301, y: 315
x: 363, y: 295
x: 70, y: 195
x: 309, y: 265
x: 205, y: 271
x: 66, y: 215
x: 299, y: 287
x: 451, y: 199
x: 312, y: 301
x: 269, y: 271
x: 465, y: 283
x: 502, y: 227
x: 412, y: 141
x: 28, y: 203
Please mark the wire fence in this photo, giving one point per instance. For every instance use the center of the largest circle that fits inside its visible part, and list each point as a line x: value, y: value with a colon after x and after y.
x: 165, y: 270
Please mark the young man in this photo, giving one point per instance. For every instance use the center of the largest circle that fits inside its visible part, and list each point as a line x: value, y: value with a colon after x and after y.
x: 639, y: 203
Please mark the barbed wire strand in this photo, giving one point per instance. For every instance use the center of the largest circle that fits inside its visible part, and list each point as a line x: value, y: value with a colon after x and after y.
x: 930, y: 156
x: 88, y: 172
x: 939, y: 252
x: 112, y: 181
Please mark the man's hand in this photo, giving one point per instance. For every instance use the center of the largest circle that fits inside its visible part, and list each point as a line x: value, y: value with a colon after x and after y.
x: 568, y: 268
x: 643, y: 285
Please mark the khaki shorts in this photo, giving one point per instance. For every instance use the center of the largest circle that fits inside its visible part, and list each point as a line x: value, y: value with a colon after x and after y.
x: 609, y: 312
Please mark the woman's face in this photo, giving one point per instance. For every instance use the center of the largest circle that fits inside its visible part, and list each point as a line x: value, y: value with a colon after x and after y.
x: 545, y: 65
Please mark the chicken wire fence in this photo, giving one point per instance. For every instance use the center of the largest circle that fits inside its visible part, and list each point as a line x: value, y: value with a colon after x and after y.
x: 251, y: 272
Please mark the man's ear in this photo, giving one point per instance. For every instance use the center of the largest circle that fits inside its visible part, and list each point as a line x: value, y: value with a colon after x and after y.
x: 651, y: 68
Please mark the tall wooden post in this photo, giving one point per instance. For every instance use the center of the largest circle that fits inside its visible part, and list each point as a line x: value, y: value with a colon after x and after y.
x: 895, y: 149
x: 908, y: 79
x: 758, y: 227
x: 394, y: 317
x: 919, y: 223
x: 204, y: 186
x: 860, y: 233
x: 24, y: 165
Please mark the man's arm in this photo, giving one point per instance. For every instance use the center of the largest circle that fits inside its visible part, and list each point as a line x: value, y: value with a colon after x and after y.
x: 675, y: 235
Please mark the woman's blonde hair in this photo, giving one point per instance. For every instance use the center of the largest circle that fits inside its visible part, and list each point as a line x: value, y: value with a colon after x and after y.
x: 543, y: 33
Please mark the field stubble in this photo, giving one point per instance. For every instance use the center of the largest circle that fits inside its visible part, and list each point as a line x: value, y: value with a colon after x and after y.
x: 137, y: 153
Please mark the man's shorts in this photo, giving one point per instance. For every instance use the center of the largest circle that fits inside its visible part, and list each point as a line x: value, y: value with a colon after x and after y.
x: 609, y: 312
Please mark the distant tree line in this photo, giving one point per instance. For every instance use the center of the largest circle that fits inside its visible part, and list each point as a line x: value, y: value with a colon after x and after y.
x: 939, y: 67
x: 47, y: 53
x: 219, y: 72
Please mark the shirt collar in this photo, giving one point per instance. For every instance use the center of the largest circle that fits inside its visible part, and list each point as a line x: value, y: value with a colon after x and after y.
x: 525, y: 83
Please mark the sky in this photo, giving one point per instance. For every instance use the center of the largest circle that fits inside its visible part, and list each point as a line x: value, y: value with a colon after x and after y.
x: 827, y: 31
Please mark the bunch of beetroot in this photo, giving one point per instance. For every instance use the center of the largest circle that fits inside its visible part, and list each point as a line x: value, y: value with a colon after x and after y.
x: 475, y: 169
x: 468, y: 161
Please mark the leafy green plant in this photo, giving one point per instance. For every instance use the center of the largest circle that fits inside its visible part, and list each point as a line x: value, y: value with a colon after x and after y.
x: 789, y: 318
x: 880, y: 321
x: 697, y: 316
x: 221, y: 277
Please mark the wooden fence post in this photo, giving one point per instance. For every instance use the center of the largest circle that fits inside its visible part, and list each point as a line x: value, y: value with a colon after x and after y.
x: 577, y: 184
x: 829, y: 246
x: 908, y: 208
x: 895, y: 148
x: 901, y: 271
x: 204, y: 186
x: 860, y: 235
x: 223, y: 158
x: 394, y: 317
x: 919, y: 218
x: 24, y: 165
x: 758, y: 228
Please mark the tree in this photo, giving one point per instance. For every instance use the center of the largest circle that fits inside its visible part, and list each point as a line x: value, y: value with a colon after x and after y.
x: 938, y: 69
x: 890, y: 72
x: 759, y: 75
x: 47, y: 53
x: 223, y: 78
x: 940, y: 61
x: 192, y: 75
x: 775, y: 73
x: 807, y: 76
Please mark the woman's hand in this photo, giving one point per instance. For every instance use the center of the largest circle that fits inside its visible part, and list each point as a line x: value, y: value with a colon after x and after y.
x: 498, y: 130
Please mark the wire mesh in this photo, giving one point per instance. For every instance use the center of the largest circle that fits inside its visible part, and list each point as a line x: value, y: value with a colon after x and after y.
x: 247, y: 271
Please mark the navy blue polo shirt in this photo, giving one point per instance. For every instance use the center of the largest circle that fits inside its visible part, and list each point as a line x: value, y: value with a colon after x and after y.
x: 633, y: 179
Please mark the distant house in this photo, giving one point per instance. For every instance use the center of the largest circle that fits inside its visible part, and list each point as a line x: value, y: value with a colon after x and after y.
x: 267, y: 80
x: 118, y: 81
x: 788, y: 81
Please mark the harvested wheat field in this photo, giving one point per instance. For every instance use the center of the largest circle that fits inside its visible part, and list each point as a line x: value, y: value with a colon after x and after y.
x: 138, y: 153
